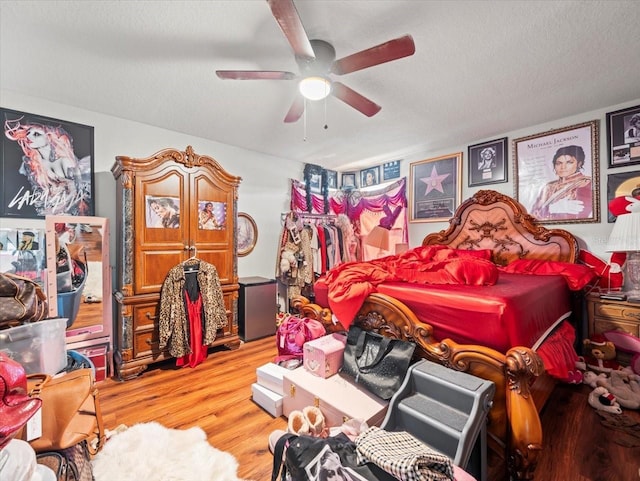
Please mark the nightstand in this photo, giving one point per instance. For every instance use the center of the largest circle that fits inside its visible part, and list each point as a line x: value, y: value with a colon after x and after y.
x: 609, y: 315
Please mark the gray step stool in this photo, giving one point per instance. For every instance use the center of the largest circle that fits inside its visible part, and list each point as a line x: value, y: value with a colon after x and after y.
x: 447, y: 410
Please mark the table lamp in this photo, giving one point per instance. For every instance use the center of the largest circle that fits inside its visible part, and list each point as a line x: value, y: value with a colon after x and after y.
x: 625, y: 237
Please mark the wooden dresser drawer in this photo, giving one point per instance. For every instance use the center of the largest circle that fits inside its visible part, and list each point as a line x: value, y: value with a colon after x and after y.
x: 617, y: 311
x: 604, y: 325
x: 146, y: 342
x: 145, y: 316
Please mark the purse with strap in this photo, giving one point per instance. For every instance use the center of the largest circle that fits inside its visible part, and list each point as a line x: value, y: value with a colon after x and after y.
x: 21, y: 301
x: 293, y: 332
x: 70, y: 410
x: 57, y: 462
x: 308, y: 458
x: 376, y: 362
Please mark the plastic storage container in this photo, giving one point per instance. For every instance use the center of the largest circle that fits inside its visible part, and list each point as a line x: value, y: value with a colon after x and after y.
x: 38, y: 346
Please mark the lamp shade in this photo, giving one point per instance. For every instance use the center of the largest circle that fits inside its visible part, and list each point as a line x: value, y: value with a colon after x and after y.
x: 378, y: 237
x: 625, y: 236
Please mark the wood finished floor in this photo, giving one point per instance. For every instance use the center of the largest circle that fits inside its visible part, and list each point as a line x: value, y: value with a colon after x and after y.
x: 217, y: 397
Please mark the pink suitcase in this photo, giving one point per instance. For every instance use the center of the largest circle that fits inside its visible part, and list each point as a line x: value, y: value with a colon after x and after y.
x: 323, y: 356
x: 337, y: 397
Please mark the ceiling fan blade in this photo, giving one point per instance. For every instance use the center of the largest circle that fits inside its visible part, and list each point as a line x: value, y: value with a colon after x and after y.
x: 287, y: 17
x: 296, y: 110
x: 385, y: 52
x: 254, y: 75
x: 354, y: 99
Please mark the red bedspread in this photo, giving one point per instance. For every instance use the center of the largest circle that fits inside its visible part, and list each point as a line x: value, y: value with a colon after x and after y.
x: 349, y: 284
x: 516, y: 311
x: 467, y: 298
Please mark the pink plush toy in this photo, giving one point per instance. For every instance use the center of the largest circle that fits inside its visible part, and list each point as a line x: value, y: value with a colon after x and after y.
x: 628, y: 343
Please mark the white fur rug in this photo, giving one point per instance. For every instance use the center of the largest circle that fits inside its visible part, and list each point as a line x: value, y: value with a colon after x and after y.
x: 152, y: 452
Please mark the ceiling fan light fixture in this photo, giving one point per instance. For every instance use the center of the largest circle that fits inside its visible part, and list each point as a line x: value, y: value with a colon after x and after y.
x: 314, y: 88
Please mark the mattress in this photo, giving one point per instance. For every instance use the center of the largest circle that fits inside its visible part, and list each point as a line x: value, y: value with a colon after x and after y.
x: 517, y: 311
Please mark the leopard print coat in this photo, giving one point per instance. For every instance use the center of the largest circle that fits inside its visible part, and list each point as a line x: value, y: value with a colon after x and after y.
x: 173, y: 320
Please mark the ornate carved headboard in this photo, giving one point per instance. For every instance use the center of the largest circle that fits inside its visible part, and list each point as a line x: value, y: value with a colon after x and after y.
x: 491, y: 220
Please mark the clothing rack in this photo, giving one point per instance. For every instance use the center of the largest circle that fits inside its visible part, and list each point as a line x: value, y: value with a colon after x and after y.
x: 308, y: 216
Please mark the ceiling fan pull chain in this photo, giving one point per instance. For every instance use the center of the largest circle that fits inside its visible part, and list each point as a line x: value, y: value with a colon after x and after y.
x: 325, y: 114
x: 304, y: 121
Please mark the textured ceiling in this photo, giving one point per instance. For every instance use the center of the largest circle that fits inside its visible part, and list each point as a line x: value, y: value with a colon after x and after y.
x: 480, y: 68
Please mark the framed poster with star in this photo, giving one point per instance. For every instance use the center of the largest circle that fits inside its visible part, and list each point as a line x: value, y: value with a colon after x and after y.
x: 435, y: 188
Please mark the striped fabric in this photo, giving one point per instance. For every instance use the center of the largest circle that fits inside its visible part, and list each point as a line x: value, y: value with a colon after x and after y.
x: 403, y: 456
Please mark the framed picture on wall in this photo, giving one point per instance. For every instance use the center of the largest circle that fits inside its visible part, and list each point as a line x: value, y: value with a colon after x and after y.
x: 488, y: 163
x: 623, y: 137
x: 332, y: 179
x: 435, y: 188
x: 623, y: 183
x: 47, y: 166
x: 247, y: 234
x: 348, y: 180
x: 370, y: 176
x: 391, y: 170
x: 556, y: 174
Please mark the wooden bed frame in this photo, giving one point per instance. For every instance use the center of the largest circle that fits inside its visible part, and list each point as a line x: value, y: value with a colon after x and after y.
x: 488, y: 220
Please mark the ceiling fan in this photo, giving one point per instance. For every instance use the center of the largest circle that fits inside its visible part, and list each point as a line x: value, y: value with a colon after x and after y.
x: 317, y: 61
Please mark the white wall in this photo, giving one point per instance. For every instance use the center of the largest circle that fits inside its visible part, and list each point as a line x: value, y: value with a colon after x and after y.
x: 592, y: 236
x: 263, y: 192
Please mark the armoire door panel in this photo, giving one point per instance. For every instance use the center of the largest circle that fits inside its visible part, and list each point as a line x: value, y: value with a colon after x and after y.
x: 153, y: 266
x: 216, y: 219
x: 220, y: 259
x: 162, y: 207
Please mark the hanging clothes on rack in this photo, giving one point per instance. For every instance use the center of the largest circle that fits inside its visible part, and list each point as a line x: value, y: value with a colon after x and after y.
x: 191, y: 311
x: 310, y: 245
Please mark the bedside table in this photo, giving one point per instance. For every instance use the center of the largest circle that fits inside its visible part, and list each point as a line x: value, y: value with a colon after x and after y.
x: 609, y: 315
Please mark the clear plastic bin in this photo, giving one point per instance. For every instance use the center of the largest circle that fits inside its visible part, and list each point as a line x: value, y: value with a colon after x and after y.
x: 38, y: 346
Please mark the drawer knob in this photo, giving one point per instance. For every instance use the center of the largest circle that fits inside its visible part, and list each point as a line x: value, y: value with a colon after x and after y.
x: 150, y: 317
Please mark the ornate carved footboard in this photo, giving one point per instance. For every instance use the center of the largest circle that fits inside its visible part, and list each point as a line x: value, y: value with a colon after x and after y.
x: 515, y: 432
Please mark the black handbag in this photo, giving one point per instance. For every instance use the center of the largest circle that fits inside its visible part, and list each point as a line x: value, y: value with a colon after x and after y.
x: 307, y: 458
x: 376, y: 362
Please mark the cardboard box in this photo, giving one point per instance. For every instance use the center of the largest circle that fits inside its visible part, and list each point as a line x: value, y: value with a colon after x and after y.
x: 270, y: 376
x: 323, y: 356
x: 338, y: 398
x: 267, y: 399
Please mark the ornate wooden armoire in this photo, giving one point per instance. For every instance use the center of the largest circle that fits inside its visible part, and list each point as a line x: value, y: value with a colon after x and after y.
x: 159, y: 199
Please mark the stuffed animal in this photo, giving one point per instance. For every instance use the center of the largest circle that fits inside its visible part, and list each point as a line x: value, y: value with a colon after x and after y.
x: 609, y: 275
x: 603, y: 400
x: 621, y: 384
x: 624, y: 204
x: 287, y: 261
x: 599, y: 355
